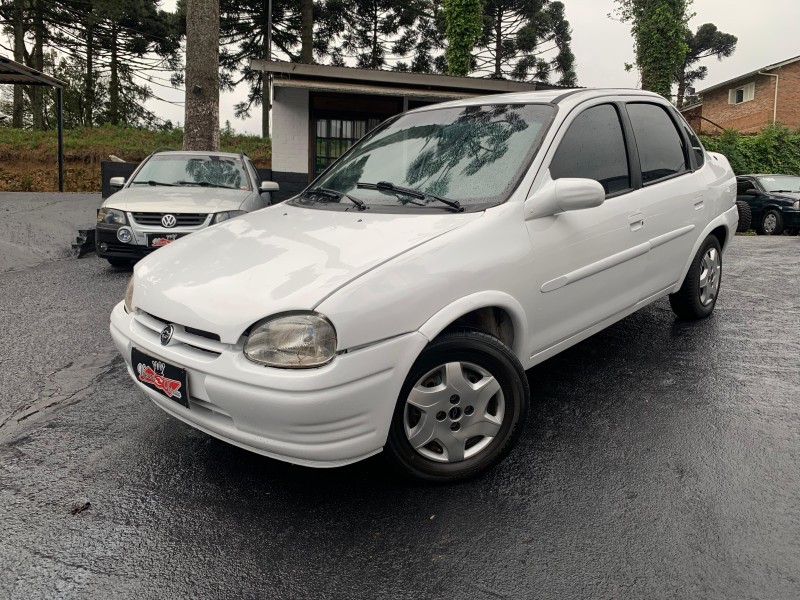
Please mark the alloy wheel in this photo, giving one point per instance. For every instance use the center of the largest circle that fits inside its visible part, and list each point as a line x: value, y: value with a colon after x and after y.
x: 710, y: 269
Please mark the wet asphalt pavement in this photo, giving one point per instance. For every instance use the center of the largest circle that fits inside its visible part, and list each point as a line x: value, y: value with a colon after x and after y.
x: 661, y: 460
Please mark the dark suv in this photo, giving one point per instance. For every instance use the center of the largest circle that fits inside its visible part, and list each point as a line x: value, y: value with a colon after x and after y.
x: 774, y: 202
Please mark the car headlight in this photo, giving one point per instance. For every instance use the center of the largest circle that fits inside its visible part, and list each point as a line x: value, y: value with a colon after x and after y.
x: 292, y: 341
x: 228, y: 214
x: 110, y: 216
x: 796, y: 205
x: 129, y: 297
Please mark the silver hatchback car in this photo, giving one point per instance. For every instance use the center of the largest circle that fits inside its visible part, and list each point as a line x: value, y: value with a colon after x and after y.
x: 172, y: 194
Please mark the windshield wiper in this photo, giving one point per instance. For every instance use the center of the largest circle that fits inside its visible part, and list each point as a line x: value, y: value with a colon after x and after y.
x: 207, y: 184
x: 390, y: 187
x: 151, y: 182
x: 786, y: 191
x: 328, y: 193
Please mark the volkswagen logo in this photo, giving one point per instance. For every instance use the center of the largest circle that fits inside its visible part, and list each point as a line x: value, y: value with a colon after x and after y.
x: 166, y: 334
x: 169, y: 221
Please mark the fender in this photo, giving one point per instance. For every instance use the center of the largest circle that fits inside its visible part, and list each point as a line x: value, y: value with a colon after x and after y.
x: 486, y: 299
x: 729, y: 219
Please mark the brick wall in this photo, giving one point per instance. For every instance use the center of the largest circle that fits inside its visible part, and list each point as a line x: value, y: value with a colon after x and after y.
x: 752, y: 116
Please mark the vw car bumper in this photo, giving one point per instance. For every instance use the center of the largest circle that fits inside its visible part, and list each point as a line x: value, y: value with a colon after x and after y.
x: 330, y: 416
x: 142, y: 239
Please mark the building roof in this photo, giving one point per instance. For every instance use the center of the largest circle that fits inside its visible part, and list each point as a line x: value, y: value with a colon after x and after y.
x: 777, y: 65
x: 344, y: 79
x: 16, y: 73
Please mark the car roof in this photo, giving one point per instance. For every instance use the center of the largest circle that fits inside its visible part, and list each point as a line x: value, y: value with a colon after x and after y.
x: 558, y: 96
x: 196, y: 153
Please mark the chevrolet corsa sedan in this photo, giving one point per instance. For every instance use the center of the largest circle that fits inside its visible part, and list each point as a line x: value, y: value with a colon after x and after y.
x: 396, y: 303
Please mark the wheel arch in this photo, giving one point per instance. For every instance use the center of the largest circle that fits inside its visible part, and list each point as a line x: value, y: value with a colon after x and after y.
x: 723, y: 228
x: 495, y: 312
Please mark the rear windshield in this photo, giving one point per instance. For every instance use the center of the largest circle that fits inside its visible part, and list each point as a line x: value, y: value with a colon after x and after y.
x: 472, y: 154
x: 193, y: 170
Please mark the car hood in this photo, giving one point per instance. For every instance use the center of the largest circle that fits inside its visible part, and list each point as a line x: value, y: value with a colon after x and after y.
x: 149, y: 198
x: 786, y: 195
x: 227, y: 277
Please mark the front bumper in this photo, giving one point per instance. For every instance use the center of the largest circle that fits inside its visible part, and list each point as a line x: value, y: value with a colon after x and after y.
x: 325, y: 417
x: 107, y: 245
x: 791, y: 217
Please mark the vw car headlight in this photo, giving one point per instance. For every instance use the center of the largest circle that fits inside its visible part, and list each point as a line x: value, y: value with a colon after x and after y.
x: 129, y: 297
x: 796, y: 205
x: 110, y: 216
x: 228, y: 214
x: 292, y: 341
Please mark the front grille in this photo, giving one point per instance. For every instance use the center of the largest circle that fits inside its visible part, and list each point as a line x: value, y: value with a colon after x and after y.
x: 156, y: 324
x: 183, y: 219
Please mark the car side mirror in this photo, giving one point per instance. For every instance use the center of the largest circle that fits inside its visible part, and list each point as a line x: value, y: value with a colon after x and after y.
x: 752, y: 192
x: 564, y: 195
x: 269, y: 186
x: 116, y: 182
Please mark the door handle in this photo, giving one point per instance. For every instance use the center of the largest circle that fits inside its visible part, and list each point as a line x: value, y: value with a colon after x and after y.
x: 699, y: 203
x: 636, y: 221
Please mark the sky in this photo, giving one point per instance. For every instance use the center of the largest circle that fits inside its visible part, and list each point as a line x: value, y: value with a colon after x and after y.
x: 767, y: 32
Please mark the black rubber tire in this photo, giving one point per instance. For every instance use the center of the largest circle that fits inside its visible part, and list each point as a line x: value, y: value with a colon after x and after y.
x: 685, y: 302
x: 778, y: 223
x: 119, y: 262
x: 486, y: 351
x: 745, y: 216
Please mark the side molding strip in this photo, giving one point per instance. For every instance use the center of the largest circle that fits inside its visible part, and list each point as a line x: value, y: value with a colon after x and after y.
x: 614, y: 260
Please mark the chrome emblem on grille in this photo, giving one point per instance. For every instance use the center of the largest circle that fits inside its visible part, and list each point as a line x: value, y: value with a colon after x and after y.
x: 166, y: 334
x: 169, y: 221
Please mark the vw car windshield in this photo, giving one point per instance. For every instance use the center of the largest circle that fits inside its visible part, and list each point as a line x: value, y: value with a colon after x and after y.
x: 471, y: 155
x: 778, y: 183
x: 193, y: 170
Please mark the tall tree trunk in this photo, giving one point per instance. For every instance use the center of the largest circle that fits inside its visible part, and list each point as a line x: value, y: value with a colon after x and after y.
x: 88, y: 113
x: 266, y: 83
x: 374, y: 58
x: 37, y: 105
x: 113, y: 84
x: 19, y: 56
x: 681, y: 86
x: 307, y: 31
x: 201, y: 131
x: 498, y: 45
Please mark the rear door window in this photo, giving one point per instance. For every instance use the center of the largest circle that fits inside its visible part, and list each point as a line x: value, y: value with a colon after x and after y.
x: 661, y: 147
x: 594, y: 148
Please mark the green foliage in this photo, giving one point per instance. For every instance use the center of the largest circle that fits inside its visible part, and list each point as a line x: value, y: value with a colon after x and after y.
x: 659, y: 32
x: 519, y: 37
x: 94, y: 144
x: 464, y: 20
x: 707, y: 41
x: 774, y: 150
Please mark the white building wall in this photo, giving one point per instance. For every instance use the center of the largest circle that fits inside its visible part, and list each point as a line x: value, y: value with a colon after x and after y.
x: 290, y: 130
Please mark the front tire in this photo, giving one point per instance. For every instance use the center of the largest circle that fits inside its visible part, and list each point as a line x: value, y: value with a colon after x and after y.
x: 771, y: 223
x: 461, y: 408
x: 698, y: 295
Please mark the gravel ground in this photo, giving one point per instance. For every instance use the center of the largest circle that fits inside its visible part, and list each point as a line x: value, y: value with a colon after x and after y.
x: 661, y: 460
x: 35, y: 228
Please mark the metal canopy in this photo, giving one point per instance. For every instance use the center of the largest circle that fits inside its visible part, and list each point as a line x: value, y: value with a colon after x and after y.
x: 14, y: 73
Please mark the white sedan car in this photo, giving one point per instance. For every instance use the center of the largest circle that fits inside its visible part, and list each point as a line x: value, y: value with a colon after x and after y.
x: 396, y: 304
x: 172, y: 194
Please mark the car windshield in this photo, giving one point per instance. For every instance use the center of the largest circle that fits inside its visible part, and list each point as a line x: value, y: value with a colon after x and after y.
x: 780, y: 183
x: 193, y: 170
x: 474, y: 155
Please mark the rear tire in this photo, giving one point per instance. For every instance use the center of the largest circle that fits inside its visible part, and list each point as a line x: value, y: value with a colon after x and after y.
x: 461, y: 409
x: 698, y: 294
x: 745, y: 216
